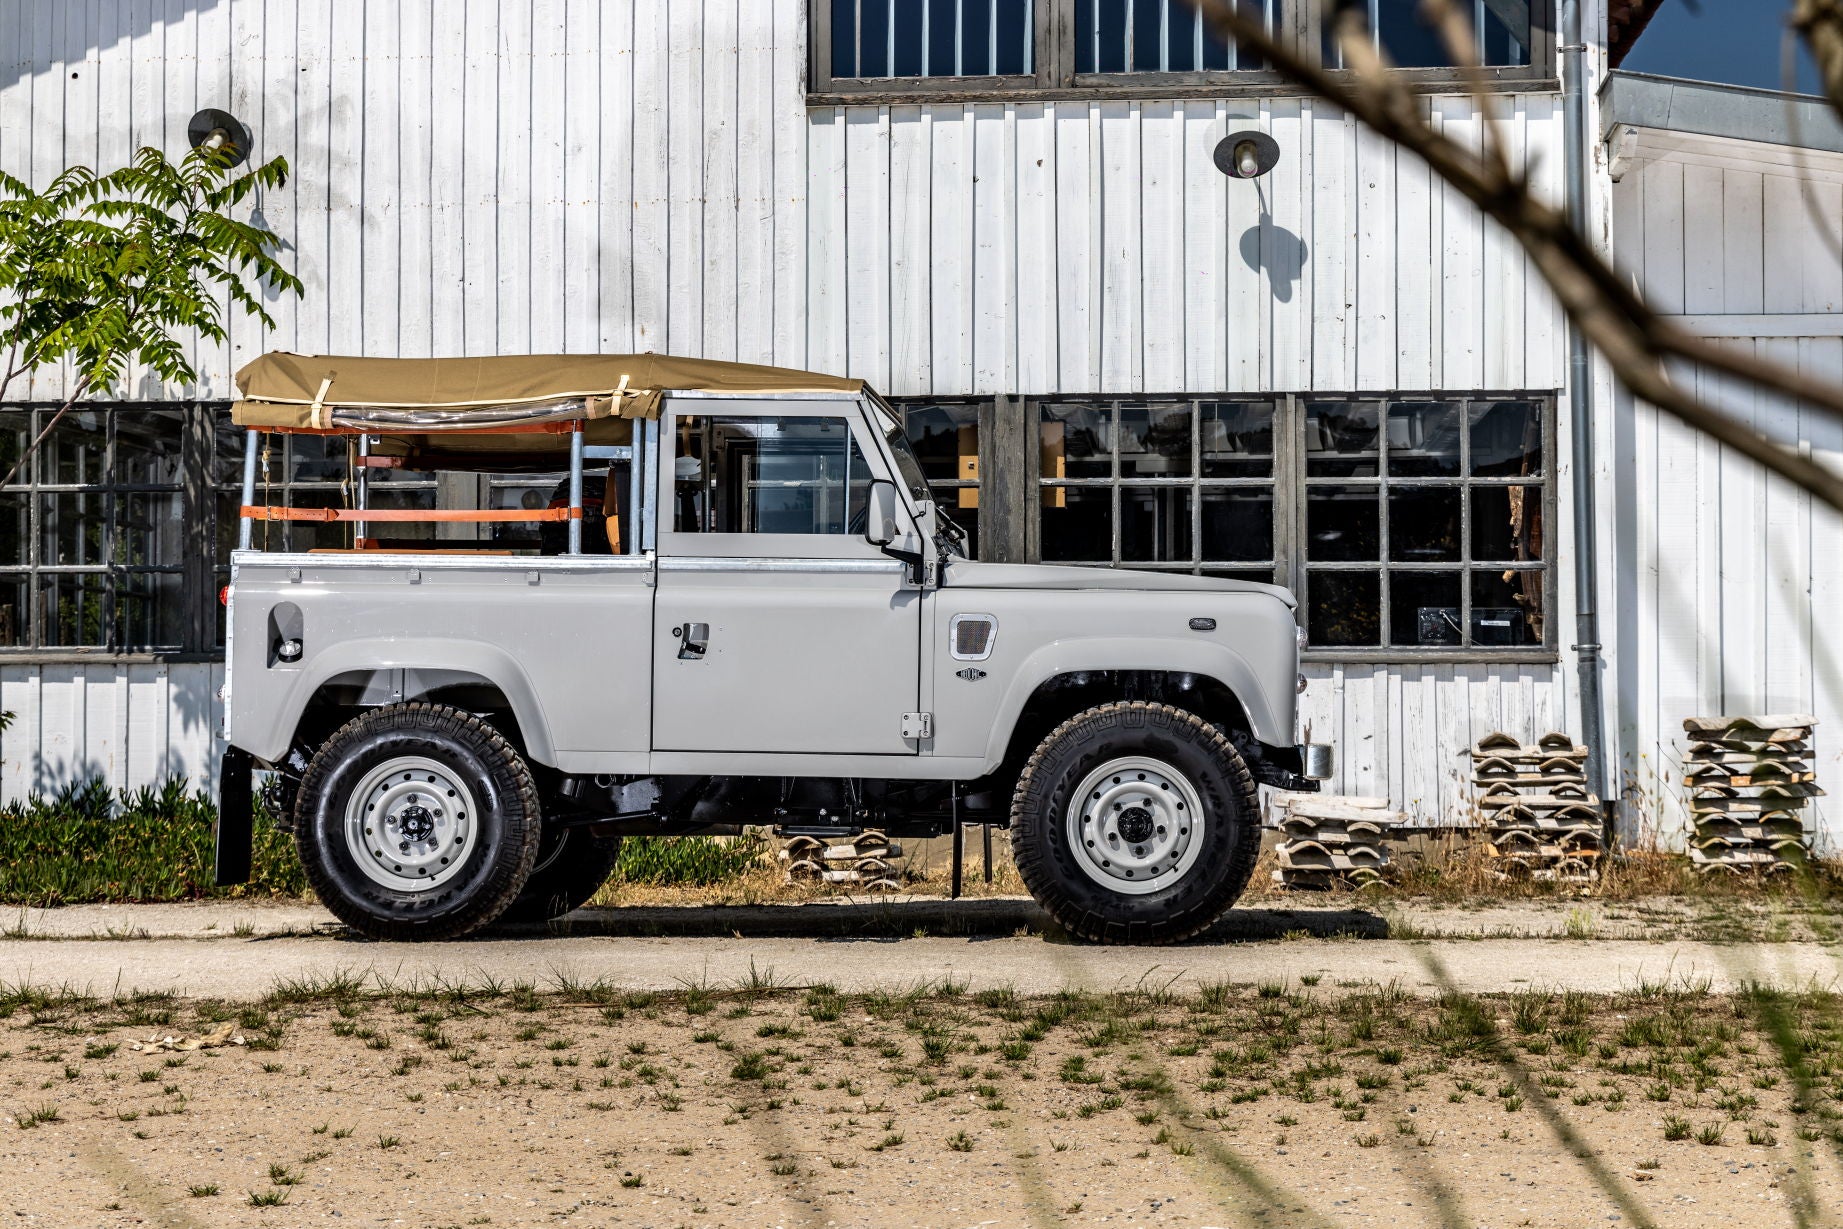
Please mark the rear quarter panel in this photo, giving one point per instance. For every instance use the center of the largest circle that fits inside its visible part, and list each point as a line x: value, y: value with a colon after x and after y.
x: 566, y: 641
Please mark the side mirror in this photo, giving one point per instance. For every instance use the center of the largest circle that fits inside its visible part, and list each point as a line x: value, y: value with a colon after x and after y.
x: 880, y: 513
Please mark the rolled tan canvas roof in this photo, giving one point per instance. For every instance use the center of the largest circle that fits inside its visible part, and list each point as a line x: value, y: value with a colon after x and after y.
x: 419, y: 395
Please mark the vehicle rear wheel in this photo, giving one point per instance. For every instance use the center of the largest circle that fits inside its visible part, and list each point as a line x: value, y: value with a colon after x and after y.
x: 1135, y: 823
x: 571, y: 866
x: 417, y: 821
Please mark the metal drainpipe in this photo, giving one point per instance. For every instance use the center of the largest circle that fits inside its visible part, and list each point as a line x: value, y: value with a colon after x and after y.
x: 1580, y: 401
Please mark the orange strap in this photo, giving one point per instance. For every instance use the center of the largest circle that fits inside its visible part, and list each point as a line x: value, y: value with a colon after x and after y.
x: 288, y: 513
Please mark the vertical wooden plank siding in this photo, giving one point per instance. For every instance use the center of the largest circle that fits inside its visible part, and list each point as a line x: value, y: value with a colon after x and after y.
x: 1736, y: 573
x: 501, y: 175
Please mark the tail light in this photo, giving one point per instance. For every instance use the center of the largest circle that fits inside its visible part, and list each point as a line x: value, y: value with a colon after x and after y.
x: 224, y: 596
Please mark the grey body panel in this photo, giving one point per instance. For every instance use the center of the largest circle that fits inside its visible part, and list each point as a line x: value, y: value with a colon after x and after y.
x: 571, y: 674
x: 812, y: 662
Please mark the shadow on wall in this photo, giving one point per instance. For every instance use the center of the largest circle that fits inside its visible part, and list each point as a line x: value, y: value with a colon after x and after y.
x: 1270, y: 246
x: 57, y: 45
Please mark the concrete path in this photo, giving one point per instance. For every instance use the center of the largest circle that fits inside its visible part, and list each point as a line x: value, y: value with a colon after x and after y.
x: 241, y: 951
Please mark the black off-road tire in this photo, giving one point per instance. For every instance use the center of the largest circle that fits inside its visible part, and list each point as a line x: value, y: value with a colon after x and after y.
x: 505, y: 831
x: 1230, y: 841
x: 571, y: 866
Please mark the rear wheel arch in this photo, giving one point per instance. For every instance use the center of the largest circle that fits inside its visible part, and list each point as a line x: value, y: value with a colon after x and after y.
x: 344, y: 695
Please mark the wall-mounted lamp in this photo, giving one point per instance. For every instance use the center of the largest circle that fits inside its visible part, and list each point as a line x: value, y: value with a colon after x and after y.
x: 215, y: 129
x: 1246, y: 155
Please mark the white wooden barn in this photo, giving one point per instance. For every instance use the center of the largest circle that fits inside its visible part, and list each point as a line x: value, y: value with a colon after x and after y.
x: 1033, y: 249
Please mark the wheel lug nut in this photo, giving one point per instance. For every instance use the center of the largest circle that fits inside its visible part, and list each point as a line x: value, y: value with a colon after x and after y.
x: 403, y: 847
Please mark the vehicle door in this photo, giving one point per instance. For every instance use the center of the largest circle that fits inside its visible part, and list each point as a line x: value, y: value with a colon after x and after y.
x: 778, y: 627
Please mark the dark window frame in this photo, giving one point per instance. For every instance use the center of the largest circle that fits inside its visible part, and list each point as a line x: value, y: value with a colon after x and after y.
x: 1290, y: 486
x: 196, y: 620
x: 1054, y: 77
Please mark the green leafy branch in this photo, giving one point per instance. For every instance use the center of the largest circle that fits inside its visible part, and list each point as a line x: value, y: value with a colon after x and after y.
x: 103, y: 270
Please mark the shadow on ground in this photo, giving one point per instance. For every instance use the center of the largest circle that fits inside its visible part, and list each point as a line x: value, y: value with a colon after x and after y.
x: 903, y: 919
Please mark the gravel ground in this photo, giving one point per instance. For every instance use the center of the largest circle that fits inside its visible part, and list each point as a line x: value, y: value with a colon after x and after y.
x: 737, y: 1107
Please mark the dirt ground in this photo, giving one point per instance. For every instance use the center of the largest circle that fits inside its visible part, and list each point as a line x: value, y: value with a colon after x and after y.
x: 750, y: 1105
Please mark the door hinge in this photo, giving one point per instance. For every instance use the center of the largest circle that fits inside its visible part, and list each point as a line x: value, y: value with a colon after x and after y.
x: 918, y: 725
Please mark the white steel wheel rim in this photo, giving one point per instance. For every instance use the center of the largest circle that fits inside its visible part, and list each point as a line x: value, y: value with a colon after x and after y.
x: 1135, y: 825
x: 411, y: 824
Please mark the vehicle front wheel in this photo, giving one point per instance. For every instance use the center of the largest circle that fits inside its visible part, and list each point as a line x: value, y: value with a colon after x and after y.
x: 417, y: 821
x: 1135, y: 823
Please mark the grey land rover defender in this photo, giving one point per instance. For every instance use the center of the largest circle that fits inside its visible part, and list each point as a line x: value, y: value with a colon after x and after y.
x: 766, y: 619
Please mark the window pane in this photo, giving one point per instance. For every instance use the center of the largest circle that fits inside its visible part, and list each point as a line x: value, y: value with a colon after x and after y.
x: 15, y: 528
x: 75, y: 451
x: 1342, y: 524
x: 1078, y: 524
x: 1424, y: 609
x: 1341, y: 439
x: 73, y: 528
x: 767, y: 475
x: 311, y: 458
x: 1155, y: 441
x: 844, y: 38
x: 1014, y: 37
x: 910, y: 46
x: 150, y: 528
x: 1149, y: 36
x: 1343, y: 608
x: 1507, y: 523
x: 1237, y: 439
x: 1507, y: 607
x: 70, y: 609
x: 147, y: 447
x: 873, y: 37
x: 227, y: 452
x: 1423, y: 439
x: 945, y: 439
x: 15, y: 433
x: 1424, y: 524
x: 14, y: 603
x: 943, y: 37
x: 1237, y: 523
x: 1147, y: 19
x: 1506, y: 438
x: 1410, y: 42
x: 1506, y: 42
x: 1075, y: 441
x: 149, y: 612
x: 1155, y: 525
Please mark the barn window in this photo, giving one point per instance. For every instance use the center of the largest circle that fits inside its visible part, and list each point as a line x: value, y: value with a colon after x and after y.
x: 1131, y: 48
x: 1407, y: 525
x: 104, y: 542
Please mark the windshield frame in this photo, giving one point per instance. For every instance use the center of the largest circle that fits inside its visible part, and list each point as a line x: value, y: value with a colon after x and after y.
x: 896, y: 438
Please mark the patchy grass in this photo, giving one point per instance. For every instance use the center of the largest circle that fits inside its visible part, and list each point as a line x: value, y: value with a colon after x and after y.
x: 1145, y: 1094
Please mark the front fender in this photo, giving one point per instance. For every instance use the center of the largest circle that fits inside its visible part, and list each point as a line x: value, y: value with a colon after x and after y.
x: 1269, y: 717
x: 264, y: 719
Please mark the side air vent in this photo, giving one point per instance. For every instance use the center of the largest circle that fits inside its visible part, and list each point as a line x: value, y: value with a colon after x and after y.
x: 970, y: 636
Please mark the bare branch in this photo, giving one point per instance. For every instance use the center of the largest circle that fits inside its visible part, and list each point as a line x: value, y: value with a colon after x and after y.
x: 1820, y: 22
x: 1634, y: 339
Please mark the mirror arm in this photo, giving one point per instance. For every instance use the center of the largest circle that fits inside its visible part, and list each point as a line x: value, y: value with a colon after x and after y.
x: 917, y: 561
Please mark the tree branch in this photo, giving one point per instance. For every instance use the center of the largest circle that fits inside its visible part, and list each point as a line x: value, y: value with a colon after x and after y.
x: 1634, y: 339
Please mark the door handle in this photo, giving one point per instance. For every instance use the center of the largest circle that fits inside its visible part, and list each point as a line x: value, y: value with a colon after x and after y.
x: 693, y: 639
